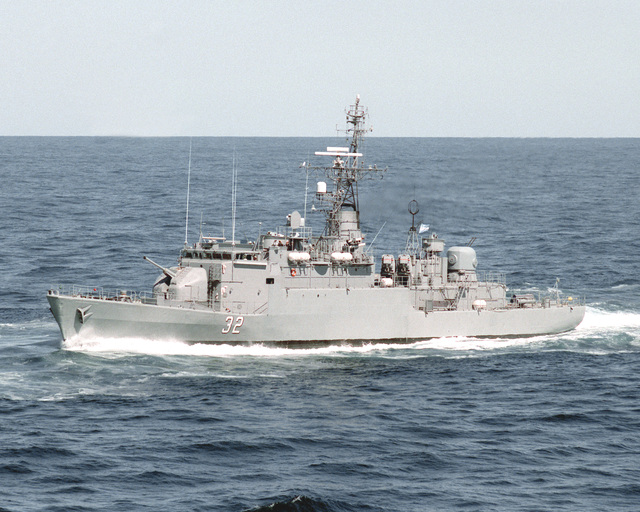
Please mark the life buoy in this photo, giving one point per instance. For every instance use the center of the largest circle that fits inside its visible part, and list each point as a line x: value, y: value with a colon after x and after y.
x: 293, y: 272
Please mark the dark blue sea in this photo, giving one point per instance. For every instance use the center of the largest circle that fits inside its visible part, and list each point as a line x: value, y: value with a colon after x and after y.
x: 550, y: 423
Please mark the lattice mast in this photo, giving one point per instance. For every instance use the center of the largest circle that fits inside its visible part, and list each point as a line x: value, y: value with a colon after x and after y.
x: 347, y: 169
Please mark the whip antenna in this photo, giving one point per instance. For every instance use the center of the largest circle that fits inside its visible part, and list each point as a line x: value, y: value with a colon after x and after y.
x: 186, y: 227
x: 234, y: 184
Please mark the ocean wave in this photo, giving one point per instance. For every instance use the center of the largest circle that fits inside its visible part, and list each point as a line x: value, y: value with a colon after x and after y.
x: 37, y: 323
x: 303, y: 503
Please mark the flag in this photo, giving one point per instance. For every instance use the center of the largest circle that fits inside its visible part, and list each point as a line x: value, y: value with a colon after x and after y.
x: 423, y: 228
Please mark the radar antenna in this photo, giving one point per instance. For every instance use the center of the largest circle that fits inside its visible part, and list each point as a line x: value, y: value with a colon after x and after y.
x: 347, y: 169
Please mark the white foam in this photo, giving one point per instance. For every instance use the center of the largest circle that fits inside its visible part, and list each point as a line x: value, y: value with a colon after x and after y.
x: 473, y: 344
x: 597, y: 319
x: 176, y: 348
x: 123, y: 346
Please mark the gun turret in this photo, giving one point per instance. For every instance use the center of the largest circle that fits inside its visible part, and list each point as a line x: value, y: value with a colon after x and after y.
x: 167, y: 272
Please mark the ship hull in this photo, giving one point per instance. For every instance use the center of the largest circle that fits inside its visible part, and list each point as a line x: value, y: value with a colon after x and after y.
x: 338, y: 315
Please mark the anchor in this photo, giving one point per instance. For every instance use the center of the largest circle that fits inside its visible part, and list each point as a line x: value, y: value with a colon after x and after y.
x: 84, y: 314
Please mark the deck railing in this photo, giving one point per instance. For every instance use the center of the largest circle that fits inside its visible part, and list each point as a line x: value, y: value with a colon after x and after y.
x: 91, y: 292
x: 489, y: 276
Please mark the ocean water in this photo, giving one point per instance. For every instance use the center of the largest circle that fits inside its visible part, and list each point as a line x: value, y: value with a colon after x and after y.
x: 544, y: 423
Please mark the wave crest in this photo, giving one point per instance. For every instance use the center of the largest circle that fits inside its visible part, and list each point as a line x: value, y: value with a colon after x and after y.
x: 304, y: 504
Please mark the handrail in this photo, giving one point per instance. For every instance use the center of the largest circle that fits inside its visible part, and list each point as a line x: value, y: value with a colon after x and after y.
x: 91, y: 292
x: 99, y: 293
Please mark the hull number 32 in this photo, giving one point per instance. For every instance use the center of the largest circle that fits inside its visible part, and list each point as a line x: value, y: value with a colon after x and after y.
x: 232, y: 325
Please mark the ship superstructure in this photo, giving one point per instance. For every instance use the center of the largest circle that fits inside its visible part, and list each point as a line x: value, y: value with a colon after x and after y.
x: 291, y: 286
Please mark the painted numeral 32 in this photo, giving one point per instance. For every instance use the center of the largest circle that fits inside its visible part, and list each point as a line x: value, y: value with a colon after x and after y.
x: 231, y: 326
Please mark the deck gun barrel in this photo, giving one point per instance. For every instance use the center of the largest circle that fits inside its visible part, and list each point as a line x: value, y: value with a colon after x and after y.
x: 167, y: 272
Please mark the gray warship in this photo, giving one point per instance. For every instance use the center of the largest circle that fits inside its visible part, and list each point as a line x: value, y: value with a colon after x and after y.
x: 292, y: 287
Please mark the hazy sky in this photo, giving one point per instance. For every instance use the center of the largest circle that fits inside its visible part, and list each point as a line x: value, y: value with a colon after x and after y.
x: 424, y: 68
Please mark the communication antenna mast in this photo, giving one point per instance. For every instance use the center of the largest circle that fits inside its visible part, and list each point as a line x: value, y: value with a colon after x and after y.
x: 186, y: 227
x: 234, y: 179
x: 306, y: 191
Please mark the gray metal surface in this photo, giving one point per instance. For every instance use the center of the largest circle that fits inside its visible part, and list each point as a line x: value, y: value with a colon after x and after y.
x: 291, y: 286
